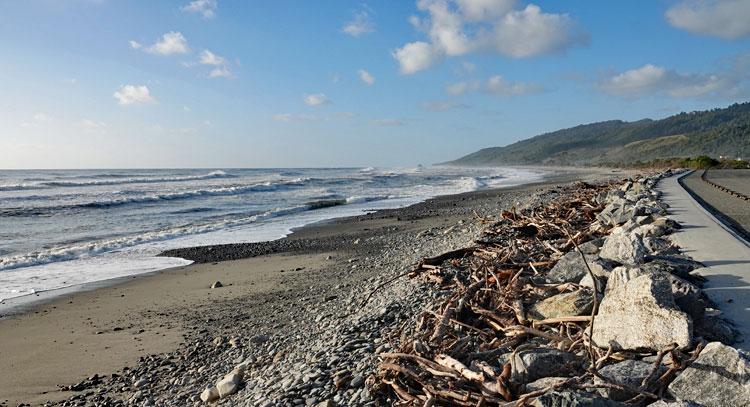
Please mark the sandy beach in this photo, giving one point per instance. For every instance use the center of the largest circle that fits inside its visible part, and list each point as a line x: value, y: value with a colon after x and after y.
x: 280, y: 302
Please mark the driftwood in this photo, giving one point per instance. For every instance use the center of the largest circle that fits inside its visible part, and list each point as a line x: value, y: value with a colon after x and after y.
x: 452, y: 356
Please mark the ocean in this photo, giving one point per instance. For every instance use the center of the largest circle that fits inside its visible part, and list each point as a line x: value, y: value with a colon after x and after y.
x: 62, y: 228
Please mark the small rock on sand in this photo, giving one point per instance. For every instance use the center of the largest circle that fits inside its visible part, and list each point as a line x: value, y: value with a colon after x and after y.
x: 210, y: 394
x: 217, y: 284
x: 229, y: 384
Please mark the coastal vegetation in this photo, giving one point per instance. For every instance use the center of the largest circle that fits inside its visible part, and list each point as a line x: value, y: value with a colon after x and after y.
x: 721, y: 132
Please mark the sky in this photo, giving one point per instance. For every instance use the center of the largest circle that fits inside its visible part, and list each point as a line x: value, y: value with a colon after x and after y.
x: 220, y: 83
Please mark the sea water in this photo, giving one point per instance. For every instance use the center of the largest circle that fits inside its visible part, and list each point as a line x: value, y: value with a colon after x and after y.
x: 61, y: 228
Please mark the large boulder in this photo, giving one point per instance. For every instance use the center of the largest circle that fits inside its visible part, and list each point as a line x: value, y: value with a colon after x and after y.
x: 641, y: 314
x: 571, y: 268
x: 624, y: 248
x: 719, y: 377
x: 629, y: 372
x: 574, y: 303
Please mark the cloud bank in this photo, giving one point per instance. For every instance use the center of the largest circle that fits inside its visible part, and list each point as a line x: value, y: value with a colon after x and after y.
x: 656, y: 80
x: 460, y: 27
x: 728, y: 19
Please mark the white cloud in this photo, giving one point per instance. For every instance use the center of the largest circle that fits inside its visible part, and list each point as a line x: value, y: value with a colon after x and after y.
x: 291, y: 117
x: 479, y: 10
x: 360, y: 24
x: 316, y: 99
x: 468, y: 67
x: 220, y: 64
x: 387, y: 122
x: 170, y: 43
x: 37, y: 120
x: 416, y: 56
x: 206, y: 8
x: 530, y: 32
x: 729, y: 19
x: 460, y: 88
x: 459, y: 27
x: 41, y: 117
x: 209, y: 58
x: 89, y: 124
x: 135, y: 44
x: 366, y: 77
x: 651, y: 79
x: 220, y: 72
x: 497, y: 85
x: 442, y: 105
x: 133, y: 95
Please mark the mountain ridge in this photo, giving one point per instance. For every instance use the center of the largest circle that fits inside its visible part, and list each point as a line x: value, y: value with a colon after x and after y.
x: 715, y: 132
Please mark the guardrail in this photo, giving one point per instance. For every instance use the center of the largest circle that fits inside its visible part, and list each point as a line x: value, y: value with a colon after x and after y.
x: 722, y: 187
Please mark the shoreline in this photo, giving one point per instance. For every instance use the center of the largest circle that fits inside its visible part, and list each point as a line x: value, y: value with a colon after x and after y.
x: 161, y: 311
x: 27, y: 302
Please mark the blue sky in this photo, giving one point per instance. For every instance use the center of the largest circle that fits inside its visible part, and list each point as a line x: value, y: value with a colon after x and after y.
x: 219, y: 83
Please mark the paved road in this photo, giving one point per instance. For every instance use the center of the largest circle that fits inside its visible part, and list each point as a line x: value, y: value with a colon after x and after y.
x: 727, y: 258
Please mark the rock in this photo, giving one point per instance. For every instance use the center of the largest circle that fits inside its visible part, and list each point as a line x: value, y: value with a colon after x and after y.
x: 651, y: 230
x: 621, y: 275
x: 572, y: 399
x: 675, y: 264
x: 658, y: 245
x: 229, y: 384
x: 687, y: 296
x: 629, y: 372
x: 326, y: 403
x: 715, y: 328
x: 258, y: 339
x: 588, y: 282
x: 591, y: 247
x: 624, y: 248
x: 663, y: 403
x: 543, y: 383
x: 571, y: 268
x: 533, y: 364
x: 574, y: 303
x: 641, y: 314
x: 616, y: 213
x: 669, y: 224
x: 210, y: 394
x: 719, y: 377
x: 217, y: 284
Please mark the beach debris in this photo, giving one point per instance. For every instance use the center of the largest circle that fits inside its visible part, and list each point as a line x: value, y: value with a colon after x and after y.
x: 217, y: 284
x: 520, y: 320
